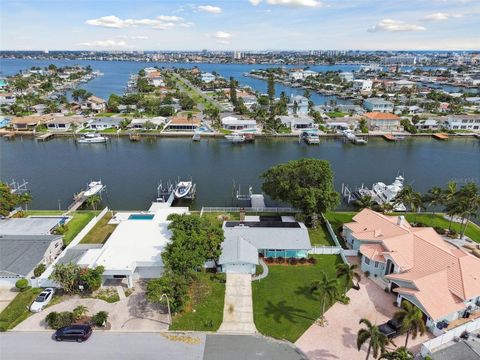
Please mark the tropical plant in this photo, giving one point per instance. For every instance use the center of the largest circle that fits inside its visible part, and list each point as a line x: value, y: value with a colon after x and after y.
x: 100, y: 318
x: 328, y: 290
x: 434, y: 198
x: 349, y: 273
x: 400, y: 353
x: 58, y: 320
x: 22, y: 284
x: 364, y: 202
x: 411, y: 318
x: 449, y: 197
x: 79, y: 312
x: 93, y: 201
x: 376, y: 340
x: 39, y: 270
x: 411, y: 199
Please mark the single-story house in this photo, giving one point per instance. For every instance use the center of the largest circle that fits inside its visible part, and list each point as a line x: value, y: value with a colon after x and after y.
x: 182, y: 123
x: 427, y: 124
x: 104, y: 123
x: 65, y: 123
x: 96, y: 104
x: 29, y: 122
x: 298, y: 123
x: 277, y: 236
x: 30, y: 225
x: 20, y: 255
x: 7, y: 98
x: 381, y: 121
x: 378, y: 105
x: 442, y: 280
x: 140, y: 123
x: 233, y: 123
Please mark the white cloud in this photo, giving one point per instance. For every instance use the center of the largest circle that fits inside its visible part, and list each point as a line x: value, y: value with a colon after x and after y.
x: 439, y: 16
x: 222, y: 37
x: 395, y: 26
x: 293, y: 3
x: 105, y: 44
x: 209, y: 9
x: 161, y: 22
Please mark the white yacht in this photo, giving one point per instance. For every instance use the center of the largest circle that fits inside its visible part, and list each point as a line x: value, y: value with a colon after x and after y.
x: 311, y: 137
x: 183, y: 189
x: 235, y: 138
x: 92, y: 138
x: 382, y: 193
x: 94, y: 188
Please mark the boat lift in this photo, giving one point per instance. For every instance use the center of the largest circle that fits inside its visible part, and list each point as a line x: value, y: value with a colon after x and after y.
x: 256, y: 200
x: 18, y: 188
x: 166, y: 192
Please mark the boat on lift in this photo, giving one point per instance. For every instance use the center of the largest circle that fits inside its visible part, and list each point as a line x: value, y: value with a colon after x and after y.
x: 311, y: 137
x: 235, y: 138
x: 94, y: 187
x: 382, y: 193
x: 183, y: 189
x: 92, y: 138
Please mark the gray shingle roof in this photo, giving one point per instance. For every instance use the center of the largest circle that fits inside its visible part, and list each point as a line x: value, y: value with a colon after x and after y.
x: 238, y: 250
x: 28, y: 226
x: 21, y: 254
x: 74, y: 254
x: 465, y: 350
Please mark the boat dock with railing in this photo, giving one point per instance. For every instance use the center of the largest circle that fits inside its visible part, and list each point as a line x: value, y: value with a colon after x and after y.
x: 169, y: 192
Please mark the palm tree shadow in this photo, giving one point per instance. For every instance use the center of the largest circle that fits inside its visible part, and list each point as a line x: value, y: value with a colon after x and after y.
x: 282, y: 310
x: 307, y: 292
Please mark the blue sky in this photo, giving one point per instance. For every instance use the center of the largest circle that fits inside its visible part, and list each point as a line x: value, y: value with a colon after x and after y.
x: 239, y: 24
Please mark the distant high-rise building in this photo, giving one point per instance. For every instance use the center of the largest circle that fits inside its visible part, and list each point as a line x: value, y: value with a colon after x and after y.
x: 400, y: 60
x: 237, y: 55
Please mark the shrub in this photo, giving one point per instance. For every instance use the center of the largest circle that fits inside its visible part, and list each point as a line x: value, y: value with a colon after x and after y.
x: 100, y: 318
x: 440, y: 230
x: 22, y: 284
x: 302, y: 260
x: 420, y: 224
x: 60, y: 229
x: 279, y: 260
x: 344, y: 299
x: 312, y: 260
x: 452, y: 234
x: 39, y: 270
x: 292, y: 261
x: 367, y: 273
x: 58, y: 320
x: 79, y: 312
x: 261, y: 256
x: 269, y: 260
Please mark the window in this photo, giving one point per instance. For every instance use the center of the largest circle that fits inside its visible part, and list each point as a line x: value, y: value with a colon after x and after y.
x: 367, y: 260
x: 376, y: 264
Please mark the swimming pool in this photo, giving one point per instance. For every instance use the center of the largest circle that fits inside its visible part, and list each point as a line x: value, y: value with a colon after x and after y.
x: 141, y: 217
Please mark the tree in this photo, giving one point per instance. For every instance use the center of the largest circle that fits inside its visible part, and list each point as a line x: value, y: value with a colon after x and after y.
x: 327, y: 288
x: 9, y: 199
x: 113, y: 102
x: 434, y: 198
x: 306, y: 184
x: 20, y: 84
x: 410, y: 198
x: 376, y: 340
x: 38, y: 271
x: 349, y: 273
x: 411, y: 318
x: 79, y: 312
x: 175, y: 286
x: 233, y: 91
x: 271, y: 89
x: 400, y: 353
x: 93, y: 201
x: 364, y: 202
x: 468, y: 203
x: 450, y: 193
x: 66, y: 275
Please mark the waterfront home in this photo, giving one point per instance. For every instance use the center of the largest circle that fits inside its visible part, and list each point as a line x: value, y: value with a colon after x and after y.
x: 409, y: 110
x: 182, y: 123
x: 95, y: 104
x: 343, y: 123
x: 442, y: 280
x: 139, y: 124
x: 362, y: 85
x: 347, y: 76
x: 301, y: 74
x: 384, y: 122
x: 278, y: 236
x: 4, y: 122
x: 7, y: 98
x: 463, y: 122
x: 157, y: 81
x: 404, y: 84
x: 427, y: 124
x: 298, y: 123
x: 29, y: 122
x: 232, y: 123
x: 297, y: 105
x: 65, y: 123
x: 207, y: 77
x: 378, y: 105
x: 349, y: 108
x: 104, y: 123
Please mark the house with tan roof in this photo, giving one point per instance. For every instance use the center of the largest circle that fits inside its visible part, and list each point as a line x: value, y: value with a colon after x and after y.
x: 418, y: 266
x: 182, y: 123
x: 381, y: 121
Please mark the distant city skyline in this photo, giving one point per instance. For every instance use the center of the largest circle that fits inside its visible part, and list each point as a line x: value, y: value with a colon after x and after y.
x: 240, y: 25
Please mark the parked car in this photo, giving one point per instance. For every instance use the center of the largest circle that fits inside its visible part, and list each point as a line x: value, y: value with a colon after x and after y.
x: 77, y: 332
x: 42, y: 300
x: 391, y: 328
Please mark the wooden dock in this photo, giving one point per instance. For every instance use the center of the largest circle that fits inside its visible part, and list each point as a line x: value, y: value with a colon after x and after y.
x: 44, y: 137
x: 9, y: 136
x: 78, y: 200
x: 440, y: 136
x: 389, y: 137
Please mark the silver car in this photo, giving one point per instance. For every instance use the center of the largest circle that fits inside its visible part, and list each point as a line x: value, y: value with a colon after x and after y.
x: 42, y: 300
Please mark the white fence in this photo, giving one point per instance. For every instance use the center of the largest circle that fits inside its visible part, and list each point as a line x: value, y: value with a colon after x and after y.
x: 249, y: 209
x: 429, y: 346
x: 350, y: 252
x: 343, y: 253
x: 325, y: 250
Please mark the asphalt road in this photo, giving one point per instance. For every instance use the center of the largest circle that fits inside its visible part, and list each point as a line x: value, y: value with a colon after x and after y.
x: 140, y: 346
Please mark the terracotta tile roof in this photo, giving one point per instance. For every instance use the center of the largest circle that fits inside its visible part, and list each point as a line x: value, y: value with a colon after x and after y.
x: 373, y: 252
x: 183, y: 120
x: 381, y: 116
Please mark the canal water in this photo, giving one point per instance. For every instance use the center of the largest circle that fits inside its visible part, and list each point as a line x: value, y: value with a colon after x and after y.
x: 58, y: 168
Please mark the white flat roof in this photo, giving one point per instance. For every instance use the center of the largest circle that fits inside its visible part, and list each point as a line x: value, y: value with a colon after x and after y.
x: 137, y: 242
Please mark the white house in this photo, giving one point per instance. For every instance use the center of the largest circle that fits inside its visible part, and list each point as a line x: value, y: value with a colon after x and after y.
x: 427, y: 124
x: 207, y: 77
x: 362, y: 85
x: 347, y: 76
x: 140, y: 123
x: 463, y: 122
x: 104, y: 123
x: 65, y: 123
x: 234, y: 124
x: 298, y: 105
x: 378, y: 105
x: 298, y: 123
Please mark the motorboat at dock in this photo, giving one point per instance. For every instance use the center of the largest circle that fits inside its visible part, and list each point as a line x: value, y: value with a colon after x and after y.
x: 94, y: 187
x: 311, y: 137
x: 92, y: 138
x: 183, y: 189
x: 235, y: 138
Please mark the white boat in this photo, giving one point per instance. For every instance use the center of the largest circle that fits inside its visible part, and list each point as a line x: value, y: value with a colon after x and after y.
x: 235, y: 138
x: 92, y: 138
x: 196, y: 137
x: 382, y: 193
x: 311, y: 137
x: 93, y: 188
x: 183, y: 189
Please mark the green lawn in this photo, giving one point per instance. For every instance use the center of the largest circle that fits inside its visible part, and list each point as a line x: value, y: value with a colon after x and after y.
x: 205, y: 311
x: 283, y: 306
x: 17, y: 310
x: 100, y: 232
x: 336, y: 114
x: 44, y: 212
x: 320, y: 237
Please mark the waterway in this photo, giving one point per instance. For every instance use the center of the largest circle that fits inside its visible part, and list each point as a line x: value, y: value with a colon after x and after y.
x: 58, y: 168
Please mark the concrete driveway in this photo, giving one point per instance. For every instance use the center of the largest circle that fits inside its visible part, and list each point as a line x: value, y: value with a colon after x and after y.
x: 133, y: 313
x: 338, y: 339
x: 6, y: 296
x: 238, y: 308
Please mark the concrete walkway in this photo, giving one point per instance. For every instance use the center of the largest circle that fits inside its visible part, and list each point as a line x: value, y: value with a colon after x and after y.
x: 264, y: 273
x: 238, y: 308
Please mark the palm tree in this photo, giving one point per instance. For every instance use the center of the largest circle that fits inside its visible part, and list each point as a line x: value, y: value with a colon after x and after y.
x: 387, y: 207
x: 79, y: 312
x: 25, y: 198
x: 449, y: 196
x: 410, y: 198
x: 434, y: 198
x: 93, y: 200
x: 328, y: 290
x: 364, y: 202
x: 376, y: 340
x: 349, y: 273
x: 400, y: 353
x: 469, y: 203
x: 411, y: 318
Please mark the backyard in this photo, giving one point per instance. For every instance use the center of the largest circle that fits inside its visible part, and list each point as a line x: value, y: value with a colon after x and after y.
x: 100, y: 232
x: 205, y: 310
x: 320, y: 237
x: 283, y: 305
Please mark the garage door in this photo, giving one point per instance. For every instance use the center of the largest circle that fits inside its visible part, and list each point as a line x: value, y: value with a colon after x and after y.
x: 148, y: 272
x: 238, y: 268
